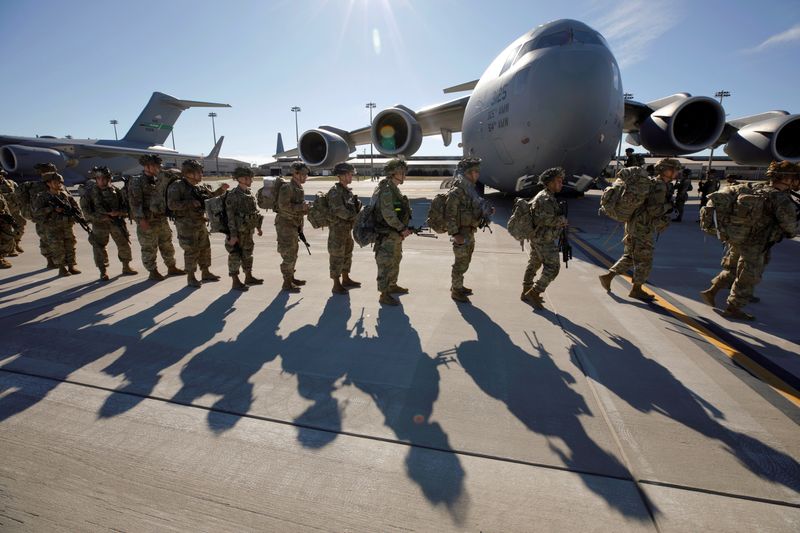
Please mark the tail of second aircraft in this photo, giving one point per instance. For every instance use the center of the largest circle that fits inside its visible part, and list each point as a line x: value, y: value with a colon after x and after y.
x: 279, y: 147
x: 159, y: 116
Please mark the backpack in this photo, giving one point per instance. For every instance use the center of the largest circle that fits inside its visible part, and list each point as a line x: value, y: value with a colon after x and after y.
x: 520, y: 224
x: 364, y: 232
x: 626, y: 195
x: 87, y: 206
x: 217, y: 214
x: 437, y: 214
x: 26, y: 194
x: 267, y: 196
x: 319, y: 214
x: 172, y: 176
x: 734, y: 214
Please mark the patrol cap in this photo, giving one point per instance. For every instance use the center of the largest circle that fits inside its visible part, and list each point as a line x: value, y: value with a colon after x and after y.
x: 100, y: 171
x: 150, y: 159
x: 668, y: 162
x: 298, y: 166
x: 550, y: 174
x: 783, y: 169
x: 191, y: 165
x: 343, y: 168
x: 469, y: 163
x: 394, y: 164
x: 243, y: 172
x: 44, y: 168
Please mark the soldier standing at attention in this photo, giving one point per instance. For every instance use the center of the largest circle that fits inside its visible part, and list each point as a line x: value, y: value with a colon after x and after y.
x: 291, y: 208
x: 682, y: 189
x: 464, y: 214
x: 243, y: 219
x: 548, y: 221
x: 8, y: 189
x: 27, y: 192
x: 147, y: 199
x: 186, y: 200
x: 343, y: 206
x: 7, y: 233
x: 651, y: 217
x: 392, y: 214
x: 59, y: 237
x: 107, y: 214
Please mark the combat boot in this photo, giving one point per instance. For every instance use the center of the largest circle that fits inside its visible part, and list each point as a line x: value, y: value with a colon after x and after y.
x: 337, y: 287
x: 605, y: 280
x: 525, y: 289
x: 192, y: 281
x: 459, y: 296
x: 207, y: 275
x: 173, y: 270
x: 249, y: 279
x: 19, y: 249
x: 127, y: 270
x: 73, y: 269
x: 63, y: 272
x: 348, y: 283
x: 388, y: 299
x: 13, y: 253
x: 103, y: 275
x: 237, y: 285
x: 155, y: 275
x: 638, y: 293
x: 397, y: 289
x: 4, y: 263
x: 298, y: 282
x: 50, y: 263
x: 710, y: 294
x: 288, y: 285
x: 534, y: 297
x: 736, y: 313
x: 467, y: 291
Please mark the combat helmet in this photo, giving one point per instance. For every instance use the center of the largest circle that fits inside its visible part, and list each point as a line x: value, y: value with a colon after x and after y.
x: 550, y: 174
x: 150, y: 159
x: 343, y: 168
x: 243, y: 172
x: 191, y: 165
x: 298, y: 166
x: 100, y: 171
x: 468, y: 163
x: 668, y: 162
x: 393, y: 165
x: 783, y: 169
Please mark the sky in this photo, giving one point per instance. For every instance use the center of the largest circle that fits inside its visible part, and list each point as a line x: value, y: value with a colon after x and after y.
x: 70, y: 67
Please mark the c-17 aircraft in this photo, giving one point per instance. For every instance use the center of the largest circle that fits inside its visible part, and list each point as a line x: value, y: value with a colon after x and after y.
x: 554, y: 97
x: 75, y: 157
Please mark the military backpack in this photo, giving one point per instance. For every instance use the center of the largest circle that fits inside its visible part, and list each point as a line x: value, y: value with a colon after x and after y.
x: 364, y: 231
x: 319, y: 214
x: 437, y: 214
x: 87, y: 206
x: 27, y: 193
x: 626, y: 195
x: 217, y: 214
x: 167, y: 179
x: 520, y: 224
x: 735, y: 214
x: 267, y: 196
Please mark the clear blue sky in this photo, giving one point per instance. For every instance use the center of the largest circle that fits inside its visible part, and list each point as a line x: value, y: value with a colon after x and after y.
x: 70, y: 67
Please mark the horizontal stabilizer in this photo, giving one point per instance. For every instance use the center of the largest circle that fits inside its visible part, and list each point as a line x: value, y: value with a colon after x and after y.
x: 461, y: 87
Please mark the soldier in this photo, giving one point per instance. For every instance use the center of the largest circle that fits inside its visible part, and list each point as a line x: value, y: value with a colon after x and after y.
x: 682, y: 189
x: 632, y: 159
x: 392, y: 214
x: 548, y: 221
x: 8, y: 189
x: 708, y: 185
x: 186, y: 200
x: 291, y: 207
x: 109, y: 207
x: 344, y: 207
x: 27, y: 193
x: 744, y: 262
x: 464, y: 212
x: 7, y: 233
x: 58, y: 234
x: 243, y: 218
x: 147, y: 200
x: 652, y: 216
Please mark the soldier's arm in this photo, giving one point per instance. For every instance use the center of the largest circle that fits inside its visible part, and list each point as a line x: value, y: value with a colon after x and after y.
x: 218, y: 192
x: 177, y: 201
x: 285, y: 200
x: 136, y: 198
x: 786, y: 215
x: 386, y: 204
x: 41, y: 207
x: 100, y: 210
x: 451, y: 208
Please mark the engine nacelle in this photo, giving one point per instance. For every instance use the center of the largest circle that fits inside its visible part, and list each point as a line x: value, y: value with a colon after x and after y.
x: 682, y: 127
x: 321, y: 148
x: 20, y: 159
x: 762, y: 142
x: 395, y: 131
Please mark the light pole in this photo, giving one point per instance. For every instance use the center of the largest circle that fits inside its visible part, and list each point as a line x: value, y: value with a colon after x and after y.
x: 626, y: 97
x: 114, y: 123
x: 371, y: 106
x: 214, y: 132
x: 719, y: 94
x: 296, y: 110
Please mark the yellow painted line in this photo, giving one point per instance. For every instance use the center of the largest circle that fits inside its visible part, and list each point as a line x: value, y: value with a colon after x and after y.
x: 776, y: 383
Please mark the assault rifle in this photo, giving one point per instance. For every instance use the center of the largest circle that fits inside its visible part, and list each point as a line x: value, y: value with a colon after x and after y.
x: 563, y: 240
x: 423, y: 231
x: 56, y: 202
x: 302, y: 237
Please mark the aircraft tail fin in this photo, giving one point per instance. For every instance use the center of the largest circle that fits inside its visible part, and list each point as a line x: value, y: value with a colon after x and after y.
x: 214, y: 153
x: 157, y: 119
x: 279, y: 148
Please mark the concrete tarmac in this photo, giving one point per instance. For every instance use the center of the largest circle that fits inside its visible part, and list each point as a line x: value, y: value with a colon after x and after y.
x: 142, y: 406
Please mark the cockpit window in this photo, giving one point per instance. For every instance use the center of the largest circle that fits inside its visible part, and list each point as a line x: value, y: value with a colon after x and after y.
x: 510, y: 59
x: 588, y: 37
x: 558, y: 38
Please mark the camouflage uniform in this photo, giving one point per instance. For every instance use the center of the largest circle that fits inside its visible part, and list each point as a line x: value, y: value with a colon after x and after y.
x: 344, y: 206
x: 7, y: 234
x: 463, y: 215
x: 706, y: 186
x: 289, y: 224
x: 548, y: 221
x: 147, y: 200
x: 103, y: 202
x: 8, y: 189
x: 682, y: 189
x: 393, y: 213
x: 58, y: 234
x: 243, y: 219
x: 190, y: 221
x: 27, y: 193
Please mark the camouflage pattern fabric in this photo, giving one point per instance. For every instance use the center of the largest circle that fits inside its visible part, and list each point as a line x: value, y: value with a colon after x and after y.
x: 7, y: 242
x: 8, y: 189
x: 548, y: 221
x: 344, y: 207
x: 103, y: 202
x: 393, y: 213
x: 157, y: 238
x: 243, y: 219
x: 190, y: 221
x: 388, y: 255
x: 59, y: 239
x: 462, y: 215
x: 288, y: 224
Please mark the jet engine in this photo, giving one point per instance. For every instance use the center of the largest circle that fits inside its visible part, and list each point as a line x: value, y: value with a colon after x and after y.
x: 395, y: 131
x: 20, y: 159
x: 323, y: 148
x: 684, y: 126
x: 762, y: 142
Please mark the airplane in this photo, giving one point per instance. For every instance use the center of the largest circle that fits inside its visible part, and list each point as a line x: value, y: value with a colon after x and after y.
x: 554, y: 97
x: 75, y: 157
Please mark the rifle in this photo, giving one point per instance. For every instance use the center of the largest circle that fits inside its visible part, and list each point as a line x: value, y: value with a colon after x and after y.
x: 9, y: 220
x: 57, y: 202
x: 563, y: 240
x: 119, y: 222
x: 303, y: 239
x: 423, y: 231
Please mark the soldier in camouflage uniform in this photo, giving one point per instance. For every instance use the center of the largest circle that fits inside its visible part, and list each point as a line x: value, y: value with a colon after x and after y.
x: 58, y: 233
x: 7, y: 233
x: 777, y: 221
x: 707, y: 185
x: 682, y: 188
x: 186, y: 200
x: 109, y: 207
x: 8, y: 189
x: 344, y: 207
x: 243, y: 219
x: 291, y: 208
x: 392, y: 215
x: 27, y: 193
x: 639, y: 240
x: 548, y: 221
x: 147, y: 200
x: 464, y: 213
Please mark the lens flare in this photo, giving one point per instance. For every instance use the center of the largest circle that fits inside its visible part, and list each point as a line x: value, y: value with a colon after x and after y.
x: 387, y: 132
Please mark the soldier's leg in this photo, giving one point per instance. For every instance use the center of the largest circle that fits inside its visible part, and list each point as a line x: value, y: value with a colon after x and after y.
x: 287, y: 248
x: 462, y: 255
x: 21, y: 222
x: 625, y: 262
x: 43, y: 242
x: 248, y: 245
x: 551, y: 265
x: 397, y: 257
x: 69, y: 248
x: 725, y: 278
x: 384, y: 252
x: 99, y: 241
x: 148, y: 243
x: 642, y: 255
x: 164, y: 235
x: 748, y: 274
x: 534, y: 263
x: 336, y: 252
x: 235, y: 259
x: 204, y: 250
x: 347, y: 262
x: 123, y: 248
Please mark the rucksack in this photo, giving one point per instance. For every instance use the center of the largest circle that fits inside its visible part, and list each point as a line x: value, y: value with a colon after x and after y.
x: 319, y: 214
x: 171, y: 177
x: 734, y: 214
x: 626, y: 195
x: 87, y: 206
x: 437, y: 214
x: 267, y: 196
x: 27, y: 193
x: 217, y: 214
x: 520, y: 224
x: 364, y: 232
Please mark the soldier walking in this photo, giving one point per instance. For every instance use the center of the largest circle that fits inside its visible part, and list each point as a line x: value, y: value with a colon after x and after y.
x: 57, y: 224
x: 392, y: 215
x: 8, y: 189
x: 344, y: 207
x: 291, y: 209
x: 243, y: 219
x: 682, y: 188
